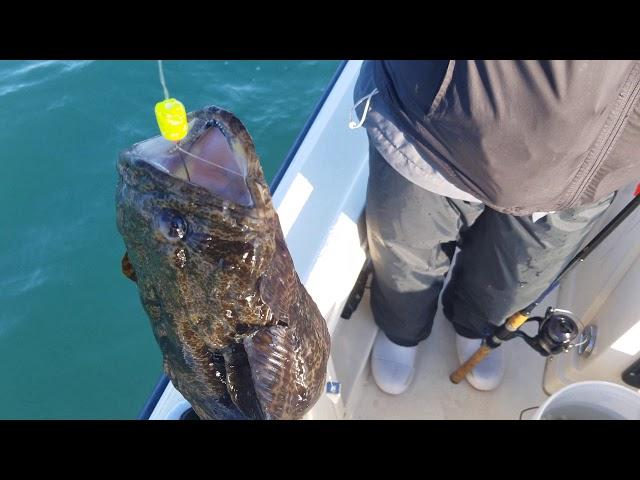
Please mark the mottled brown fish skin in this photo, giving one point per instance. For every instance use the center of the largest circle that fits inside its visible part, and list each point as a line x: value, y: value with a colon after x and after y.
x: 240, y: 336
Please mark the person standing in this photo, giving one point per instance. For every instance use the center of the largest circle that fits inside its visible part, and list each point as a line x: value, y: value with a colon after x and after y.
x: 510, y: 161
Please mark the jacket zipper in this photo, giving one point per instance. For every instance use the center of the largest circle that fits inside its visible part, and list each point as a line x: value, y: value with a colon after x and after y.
x: 633, y: 83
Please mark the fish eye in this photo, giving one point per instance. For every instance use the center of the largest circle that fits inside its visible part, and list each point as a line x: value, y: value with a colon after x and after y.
x: 173, y: 225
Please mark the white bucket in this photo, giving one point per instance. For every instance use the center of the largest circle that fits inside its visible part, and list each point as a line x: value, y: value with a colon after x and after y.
x: 591, y: 401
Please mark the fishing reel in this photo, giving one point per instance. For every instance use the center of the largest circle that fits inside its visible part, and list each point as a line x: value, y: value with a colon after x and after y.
x: 557, y: 331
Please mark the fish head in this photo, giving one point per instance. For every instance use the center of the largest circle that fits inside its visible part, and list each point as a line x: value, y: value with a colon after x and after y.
x: 195, y: 216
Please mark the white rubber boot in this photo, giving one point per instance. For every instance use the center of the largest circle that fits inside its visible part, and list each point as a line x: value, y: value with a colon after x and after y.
x: 392, y: 365
x: 489, y: 373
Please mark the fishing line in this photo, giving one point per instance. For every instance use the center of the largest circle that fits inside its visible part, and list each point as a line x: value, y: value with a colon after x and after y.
x: 162, y: 82
x: 207, y: 161
x: 166, y: 97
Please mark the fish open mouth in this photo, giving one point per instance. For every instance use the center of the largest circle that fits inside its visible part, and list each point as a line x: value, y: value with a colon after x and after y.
x: 205, y: 158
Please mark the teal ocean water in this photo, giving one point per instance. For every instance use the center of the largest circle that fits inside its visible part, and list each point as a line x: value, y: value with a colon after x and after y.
x: 75, y: 342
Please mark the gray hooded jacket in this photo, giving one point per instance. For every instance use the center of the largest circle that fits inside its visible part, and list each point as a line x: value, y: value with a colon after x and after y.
x: 520, y: 136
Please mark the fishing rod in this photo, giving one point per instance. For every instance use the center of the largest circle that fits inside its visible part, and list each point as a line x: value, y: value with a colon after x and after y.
x: 557, y: 329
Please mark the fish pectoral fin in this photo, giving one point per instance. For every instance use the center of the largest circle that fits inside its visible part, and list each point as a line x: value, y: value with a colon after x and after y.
x: 279, y: 373
x: 279, y: 285
x: 127, y: 268
x: 240, y: 383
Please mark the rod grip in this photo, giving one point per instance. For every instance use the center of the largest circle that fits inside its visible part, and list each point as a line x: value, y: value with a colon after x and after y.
x: 513, y: 323
x: 470, y: 364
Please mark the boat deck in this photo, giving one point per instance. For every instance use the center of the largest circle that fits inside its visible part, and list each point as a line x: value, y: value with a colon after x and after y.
x: 433, y: 396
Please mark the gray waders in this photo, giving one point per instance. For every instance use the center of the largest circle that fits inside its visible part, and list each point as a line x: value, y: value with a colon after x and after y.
x: 504, y: 262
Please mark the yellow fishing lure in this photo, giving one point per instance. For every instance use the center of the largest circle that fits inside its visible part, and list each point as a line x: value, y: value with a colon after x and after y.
x: 172, y: 119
